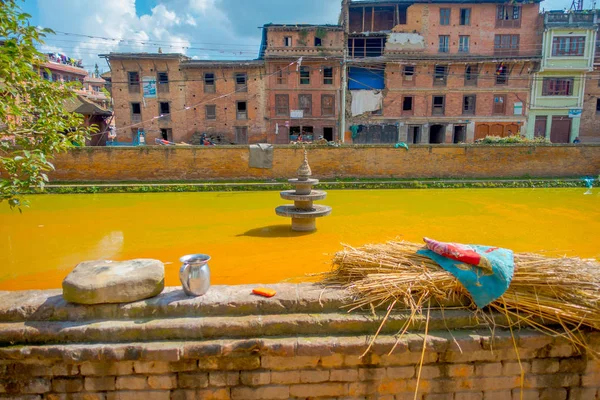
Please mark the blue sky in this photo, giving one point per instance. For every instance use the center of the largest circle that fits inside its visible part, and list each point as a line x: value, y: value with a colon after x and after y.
x: 222, y: 29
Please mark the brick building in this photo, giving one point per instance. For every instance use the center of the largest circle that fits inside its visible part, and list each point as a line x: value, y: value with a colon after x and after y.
x: 447, y: 72
x: 590, y: 116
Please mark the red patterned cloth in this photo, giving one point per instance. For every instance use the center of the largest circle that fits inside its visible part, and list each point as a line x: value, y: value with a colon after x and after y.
x: 458, y: 252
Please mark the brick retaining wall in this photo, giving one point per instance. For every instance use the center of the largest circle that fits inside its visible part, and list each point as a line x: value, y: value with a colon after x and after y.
x: 463, y: 363
x: 439, y: 161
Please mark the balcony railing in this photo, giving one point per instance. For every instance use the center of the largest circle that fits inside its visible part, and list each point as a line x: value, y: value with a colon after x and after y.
x: 570, y: 18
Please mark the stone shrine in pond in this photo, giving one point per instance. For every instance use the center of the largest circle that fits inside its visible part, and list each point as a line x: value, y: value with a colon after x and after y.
x: 303, y: 212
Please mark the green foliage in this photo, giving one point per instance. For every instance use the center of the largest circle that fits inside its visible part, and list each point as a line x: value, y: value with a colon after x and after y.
x: 34, y: 123
x: 105, y: 92
x: 511, y: 139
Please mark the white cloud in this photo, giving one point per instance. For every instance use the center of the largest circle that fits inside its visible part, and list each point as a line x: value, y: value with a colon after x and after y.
x: 201, y: 5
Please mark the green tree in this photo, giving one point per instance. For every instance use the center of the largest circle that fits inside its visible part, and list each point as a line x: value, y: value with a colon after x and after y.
x: 34, y: 124
x: 96, y: 71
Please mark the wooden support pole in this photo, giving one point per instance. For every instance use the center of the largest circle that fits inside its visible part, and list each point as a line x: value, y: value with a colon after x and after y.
x: 372, y: 19
x: 363, y: 15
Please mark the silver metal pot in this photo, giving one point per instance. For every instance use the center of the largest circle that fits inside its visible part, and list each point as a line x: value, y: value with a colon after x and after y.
x: 195, y: 274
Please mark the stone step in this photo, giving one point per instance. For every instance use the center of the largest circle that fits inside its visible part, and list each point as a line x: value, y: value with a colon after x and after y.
x: 37, y: 332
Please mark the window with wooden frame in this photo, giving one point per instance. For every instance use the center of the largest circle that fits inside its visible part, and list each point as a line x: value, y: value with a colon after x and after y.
x: 465, y: 16
x: 162, y: 80
x: 287, y: 41
x: 469, y: 102
x: 281, y: 74
x: 408, y: 75
x: 241, y: 108
x: 136, y: 112
x: 557, y: 87
x: 304, y: 75
x: 439, y: 105
x: 282, y: 105
x: 209, y: 82
x: 471, y: 71
x: 568, y: 46
x: 164, y: 108
x: 305, y: 103
x: 327, y: 75
x: 502, y: 74
x: 508, y: 16
x: 506, y: 45
x: 597, y: 106
x: 210, y: 111
x: 440, y: 75
x: 499, y: 106
x: 241, y: 82
x: 445, y: 16
x: 133, y: 79
x: 407, y: 105
x: 327, y: 105
x: 463, y: 44
x: 444, y: 44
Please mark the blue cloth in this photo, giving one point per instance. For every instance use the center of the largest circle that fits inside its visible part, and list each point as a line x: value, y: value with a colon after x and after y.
x: 483, y: 287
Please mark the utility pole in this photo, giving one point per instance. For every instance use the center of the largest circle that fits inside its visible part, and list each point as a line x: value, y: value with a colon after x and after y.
x: 343, y: 110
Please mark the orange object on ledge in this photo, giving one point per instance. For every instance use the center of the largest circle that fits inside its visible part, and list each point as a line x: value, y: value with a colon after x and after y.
x: 264, y: 292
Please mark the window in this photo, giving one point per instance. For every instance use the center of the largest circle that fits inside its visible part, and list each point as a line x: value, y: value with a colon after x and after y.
x: 470, y: 75
x: 241, y: 80
x: 408, y: 75
x: 282, y: 105
x: 444, y: 43
x: 165, y: 108
x: 166, y: 134
x: 568, y: 46
x: 241, y: 110
x: 506, y: 45
x: 508, y: 17
x: 136, y: 112
x: 46, y: 75
x: 557, y: 87
x: 287, y: 41
x: 211, y: 111
x: 444, y: 16
x: 377, y: 112
x: 328, y: 76
x: 468, y: 105
x: 305, y: 103
x: 281, y: 74
x: 598, y: 106
x: 133, y: 79
x: 407, y: 105
x: 438, y: 105
x: 501, y: 74
x: 304, y: 75
x: 54, y: 78
x: 327, y: 105
x: 465, y: 16
x: 440, y: 75
x: 318, y: 42
x: 163, y: 82
x: 499, y: 104
x: 463, y: 44
x: 209, y: 82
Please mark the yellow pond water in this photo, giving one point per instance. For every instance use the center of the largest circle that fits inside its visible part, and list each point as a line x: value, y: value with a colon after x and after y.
x: 250, y: 244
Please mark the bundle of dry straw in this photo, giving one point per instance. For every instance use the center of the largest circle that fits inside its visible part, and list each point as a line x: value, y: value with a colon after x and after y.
x: 553, y: 295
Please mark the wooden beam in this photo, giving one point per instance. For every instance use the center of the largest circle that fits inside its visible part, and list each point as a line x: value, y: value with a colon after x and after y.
x: 372, y: 19
x: 363, y: 15
x: 397, y: 15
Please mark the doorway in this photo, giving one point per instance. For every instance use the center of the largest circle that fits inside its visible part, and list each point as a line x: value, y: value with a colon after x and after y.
x: 241, y: 135
x: 328, y: 134
x: 414, y: 134
x: 166, y: 134
x: 540, y: 126
x: 437, y: 134
x: 560, y: 130
x: 460, y: 134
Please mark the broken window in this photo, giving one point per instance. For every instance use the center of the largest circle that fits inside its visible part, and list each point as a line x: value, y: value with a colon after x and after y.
x: 281, y: 75
x: 133, y: 80
x: 371, y: 47
x: 465, y: 16
x: 463, y: 44
x: 501, y: 74
x: 508, y: 16
x: 568, y: 46
x: 209, y: 82
x: 444, y: 41
x: 468, y: 105
x: 305, y: 75
x: 507, y: 45
x: 241, y: 110
x: 440, y: 75
x: 282, y: 105
x: 318, y: 42
x: 470, y: 75
x: 328, y: 76
x: 305, y: 103
x: 438, y: 105
x: 327, y: 105
x: 408, y: 75
x: 163, y: 82
x: 557, y: 87
x: 136, y: 112
x: 287, y: 41
x: 165, y: 108
x: 241, y: 82
x: 407, y: 105
x: 445, y: 16
x: 211, y: 112
x: 499, y: 104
